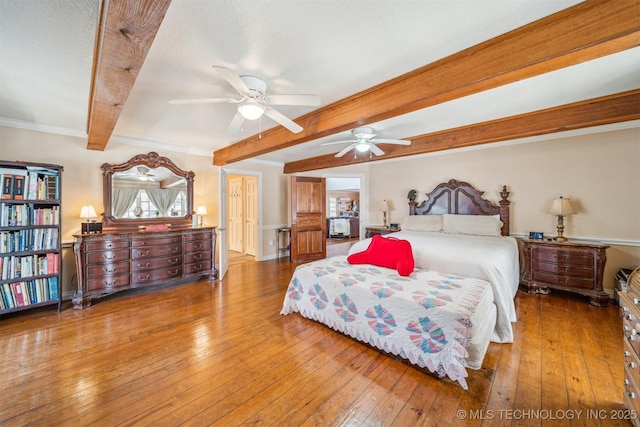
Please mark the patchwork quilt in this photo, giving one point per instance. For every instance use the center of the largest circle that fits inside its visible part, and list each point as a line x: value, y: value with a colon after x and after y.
x: 424, y: 317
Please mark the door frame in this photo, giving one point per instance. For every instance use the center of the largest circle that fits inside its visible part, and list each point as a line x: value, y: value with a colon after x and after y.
x: 223, y: 211
x: 364, y: 197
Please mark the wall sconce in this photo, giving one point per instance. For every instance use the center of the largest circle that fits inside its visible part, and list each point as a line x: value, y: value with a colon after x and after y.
x: 384, y: 208
x: 91, y: 226
x: 201, y: 212
x: 561, y: 207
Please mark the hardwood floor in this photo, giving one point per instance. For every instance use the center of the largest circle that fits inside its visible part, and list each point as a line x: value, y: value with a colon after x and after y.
x: 219, y: 353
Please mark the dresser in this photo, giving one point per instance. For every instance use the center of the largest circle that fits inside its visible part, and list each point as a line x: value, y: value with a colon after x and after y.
x: 112, y: 262
x: 630, y: 310
x: 568, y: 266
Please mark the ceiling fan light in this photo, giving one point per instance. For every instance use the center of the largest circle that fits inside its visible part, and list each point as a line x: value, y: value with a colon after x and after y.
x: 250, y: 110
x: 362, y: 147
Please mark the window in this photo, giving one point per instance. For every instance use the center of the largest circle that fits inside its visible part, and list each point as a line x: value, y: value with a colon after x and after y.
x: 143, y: 207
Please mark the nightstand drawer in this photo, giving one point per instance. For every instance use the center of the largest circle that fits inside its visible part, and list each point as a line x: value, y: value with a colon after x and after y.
x: 562, y: 257
x: 555, y: 279
x: 564, y: 269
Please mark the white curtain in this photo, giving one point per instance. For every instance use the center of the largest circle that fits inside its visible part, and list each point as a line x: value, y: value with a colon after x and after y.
x: 162, y: 198
x: 123, y: 198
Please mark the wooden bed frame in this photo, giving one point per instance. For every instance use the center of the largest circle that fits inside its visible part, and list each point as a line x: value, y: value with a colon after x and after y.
x: 458, y: 197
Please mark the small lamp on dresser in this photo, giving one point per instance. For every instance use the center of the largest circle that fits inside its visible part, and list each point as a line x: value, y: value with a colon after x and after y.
x: 88, y: 213
x: 561, y: 207
x: 201, y: 212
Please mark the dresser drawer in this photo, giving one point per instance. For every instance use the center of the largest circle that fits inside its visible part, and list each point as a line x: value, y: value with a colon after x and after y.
x: 199, y: 245
x: 139, y: 242
x: 108, y: 269
x: 563, y: 257
x: 108, y: 282
x: 197, y: 267
x: 150, y: 276
x: 631, y: 362
x: 102, y: 245
x: 197, y: 257
x: 102, y: 257
x: 203, y: 235
x: 156, y: 251
x: 152, y: 263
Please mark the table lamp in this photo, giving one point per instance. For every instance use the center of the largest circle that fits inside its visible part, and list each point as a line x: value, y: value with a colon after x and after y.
x: 90, y: 226
x: 561, y: 207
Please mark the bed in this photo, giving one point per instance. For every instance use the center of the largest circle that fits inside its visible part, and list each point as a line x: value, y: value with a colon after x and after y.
x: 443, y: 315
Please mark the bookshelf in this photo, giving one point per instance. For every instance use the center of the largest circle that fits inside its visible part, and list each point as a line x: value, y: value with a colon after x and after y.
x: 30, y: 241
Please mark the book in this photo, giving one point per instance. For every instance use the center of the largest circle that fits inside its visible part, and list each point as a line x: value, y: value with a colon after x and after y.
x: 53, y: 288
x: 8, y: 295
x: 7, y: 186
x: 18, y: 187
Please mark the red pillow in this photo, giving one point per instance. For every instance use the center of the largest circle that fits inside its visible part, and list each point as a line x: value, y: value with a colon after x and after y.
x: 389, y: 252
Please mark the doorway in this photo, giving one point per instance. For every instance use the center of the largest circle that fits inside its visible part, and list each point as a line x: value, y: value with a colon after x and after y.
x: 345, y: 198
x: 242, y: 225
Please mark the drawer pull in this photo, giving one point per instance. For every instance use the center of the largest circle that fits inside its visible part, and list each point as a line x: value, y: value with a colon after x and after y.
x: 108, y: 257
x: 632, y: 365
x: 109, y: 245
x: 109, y: 283
x: 109, y: 270
x: 627, y: 354
x: 631, y: 395
x: 198, y: 246
x: 198, y: 267
x: 143, y: 278
x: 636, y: 301
x: 140, y: 253
x: 174, y: 250
x: 173, y: 273
x: 173, y: 261
x: 143, y: 266
x: 197, y: 257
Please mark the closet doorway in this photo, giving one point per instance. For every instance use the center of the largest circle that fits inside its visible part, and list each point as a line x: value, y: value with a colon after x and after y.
x: 243, y: 224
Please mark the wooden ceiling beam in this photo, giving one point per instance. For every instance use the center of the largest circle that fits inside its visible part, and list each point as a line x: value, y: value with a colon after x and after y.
x: 587, y: 31
x: 594, y: 112
x: 126, y: 31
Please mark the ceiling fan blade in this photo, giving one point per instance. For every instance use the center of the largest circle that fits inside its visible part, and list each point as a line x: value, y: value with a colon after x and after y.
x: 204, y: 101
x: 338, y: 142
x: 235, y: 125
x: 345, y: 150
x: 283, y: 120
x: 233, y: 79
x: 300, y: 99
x: 376, y: 150
x: 391, y: 141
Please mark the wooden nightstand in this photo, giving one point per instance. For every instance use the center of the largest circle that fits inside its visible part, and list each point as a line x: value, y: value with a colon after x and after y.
x: 569, y: 266
x: 372, y: 230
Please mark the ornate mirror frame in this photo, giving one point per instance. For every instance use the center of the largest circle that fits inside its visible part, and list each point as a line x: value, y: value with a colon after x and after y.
x: 151, y: 160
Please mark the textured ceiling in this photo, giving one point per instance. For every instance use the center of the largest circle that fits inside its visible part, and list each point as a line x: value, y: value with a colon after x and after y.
x: 328, y: 47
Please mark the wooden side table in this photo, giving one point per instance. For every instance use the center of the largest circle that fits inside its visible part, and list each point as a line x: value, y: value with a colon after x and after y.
x: 568, y: 266
x: 372, y: 230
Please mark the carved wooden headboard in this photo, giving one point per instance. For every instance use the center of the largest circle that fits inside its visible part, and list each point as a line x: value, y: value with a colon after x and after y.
x: 457, y: 197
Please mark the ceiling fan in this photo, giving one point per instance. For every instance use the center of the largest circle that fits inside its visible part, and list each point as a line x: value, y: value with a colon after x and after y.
x: 141, y: 173
x: 364, y: 140
x: 254, y: 102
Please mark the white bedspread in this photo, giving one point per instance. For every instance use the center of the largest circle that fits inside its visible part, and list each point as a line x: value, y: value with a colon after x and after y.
x: 424, y: 317
x: 494, y: 259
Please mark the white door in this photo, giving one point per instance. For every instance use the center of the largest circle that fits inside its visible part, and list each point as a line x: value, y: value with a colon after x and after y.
x: 236, y: 222
x: 251, y: 215
x: 223, y: 245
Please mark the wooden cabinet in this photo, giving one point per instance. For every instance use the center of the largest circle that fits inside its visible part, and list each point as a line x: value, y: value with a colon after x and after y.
x: 569, y: 266
x: 372, y: 230
x: 30, y: 245
x: 112, y: 262
x: 630, y: 309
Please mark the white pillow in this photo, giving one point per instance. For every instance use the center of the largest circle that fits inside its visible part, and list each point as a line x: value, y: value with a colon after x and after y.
x: 478, y: 225
x: 422, y: 223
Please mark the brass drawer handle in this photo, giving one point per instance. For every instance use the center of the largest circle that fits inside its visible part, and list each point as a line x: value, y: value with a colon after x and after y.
x: 107, y: 283
x: 174, y: 250
x: 144, y: 278
x: 107, y: 270
x: 140, y: 253
x: 197, y: 257
x: 173, y: 273
x: 143, y: 266
x: 173, y: 261
x: 106, y: 257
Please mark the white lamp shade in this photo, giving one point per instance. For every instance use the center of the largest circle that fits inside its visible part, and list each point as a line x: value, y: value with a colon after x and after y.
x: 202, y: 210
x: 384, y: 206
x: 562, y: 207
x: 250, y: 110
x: 88, y: 212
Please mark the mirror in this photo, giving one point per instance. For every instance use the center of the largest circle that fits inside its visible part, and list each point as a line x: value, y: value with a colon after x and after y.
x: 148, y: 189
